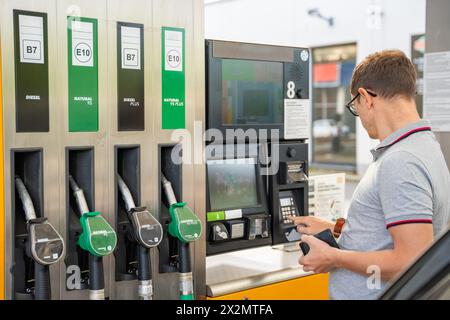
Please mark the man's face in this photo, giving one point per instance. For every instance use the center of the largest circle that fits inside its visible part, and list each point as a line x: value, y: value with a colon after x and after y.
x: 366, y: 114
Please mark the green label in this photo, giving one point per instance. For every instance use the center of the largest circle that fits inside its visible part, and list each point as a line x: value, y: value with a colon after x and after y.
x: 173, y: 78
x: 216, y: 216
x: 82, y: 43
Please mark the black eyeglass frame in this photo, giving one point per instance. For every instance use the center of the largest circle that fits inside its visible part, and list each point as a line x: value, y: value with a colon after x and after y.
x: 351, y: 106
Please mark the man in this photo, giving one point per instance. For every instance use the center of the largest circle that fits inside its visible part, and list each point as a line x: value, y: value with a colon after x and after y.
x: 403, y: 198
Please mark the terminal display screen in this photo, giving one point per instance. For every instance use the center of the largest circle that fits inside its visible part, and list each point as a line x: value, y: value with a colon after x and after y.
x: 232, y: 183
x: 252, y: 92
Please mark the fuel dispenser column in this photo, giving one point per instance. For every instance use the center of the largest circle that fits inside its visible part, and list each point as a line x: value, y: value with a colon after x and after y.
x: 44, y: 244
x: 147, y: 232
x: 186, y: 227
x: 98, y: 238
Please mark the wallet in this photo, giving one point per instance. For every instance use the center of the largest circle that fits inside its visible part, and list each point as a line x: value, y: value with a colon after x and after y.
x: 326, y: 236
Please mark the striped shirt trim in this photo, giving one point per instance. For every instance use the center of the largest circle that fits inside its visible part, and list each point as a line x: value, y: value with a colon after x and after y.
x: 407, y: 134
x: 392, y: 224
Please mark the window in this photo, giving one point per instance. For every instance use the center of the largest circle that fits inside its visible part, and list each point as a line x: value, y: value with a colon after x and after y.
x: 334, y: 137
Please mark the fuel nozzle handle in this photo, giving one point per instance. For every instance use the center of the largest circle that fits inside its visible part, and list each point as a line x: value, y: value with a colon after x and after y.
x: 41, y: 272
x: 96, y: 276
x: 145, y: 287
x: 79, y: 196
x: 184, y: 264
x: 126, y: 194
x: 168, y: 190
x: 27, y: 203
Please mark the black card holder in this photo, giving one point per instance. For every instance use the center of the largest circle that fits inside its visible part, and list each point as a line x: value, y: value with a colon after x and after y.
x: 325, y: 236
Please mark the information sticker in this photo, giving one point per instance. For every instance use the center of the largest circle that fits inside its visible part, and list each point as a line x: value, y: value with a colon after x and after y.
x: 174, y: 50
x: 31, y: 29
x: 82, y: 44
x: 296, y: 119
x: 131, y: 47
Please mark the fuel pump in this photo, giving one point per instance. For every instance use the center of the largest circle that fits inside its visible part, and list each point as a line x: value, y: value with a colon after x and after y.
x: 186, y: 227
x: 98, y: 238
x: 45, y: 246
x: 147, y: 232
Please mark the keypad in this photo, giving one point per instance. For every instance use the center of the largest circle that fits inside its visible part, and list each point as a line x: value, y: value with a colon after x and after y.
x: 288, y: 210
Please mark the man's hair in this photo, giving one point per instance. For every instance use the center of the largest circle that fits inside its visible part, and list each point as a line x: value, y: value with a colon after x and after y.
x: 388, y: 73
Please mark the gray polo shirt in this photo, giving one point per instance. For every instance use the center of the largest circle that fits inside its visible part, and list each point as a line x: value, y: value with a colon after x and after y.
x: 408, y: 182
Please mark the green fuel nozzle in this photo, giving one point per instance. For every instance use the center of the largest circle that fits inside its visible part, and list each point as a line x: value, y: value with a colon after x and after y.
x: 98, y: 237
x: 184, y: 224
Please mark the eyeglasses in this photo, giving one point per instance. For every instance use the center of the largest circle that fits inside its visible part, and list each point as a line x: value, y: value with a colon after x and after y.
x: 351, y: 105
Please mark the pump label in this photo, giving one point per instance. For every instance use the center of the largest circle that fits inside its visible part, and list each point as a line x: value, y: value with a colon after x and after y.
x: 173, y: 78
x: 130, y: 77
x: 83, y: 74
x: 31, y: 71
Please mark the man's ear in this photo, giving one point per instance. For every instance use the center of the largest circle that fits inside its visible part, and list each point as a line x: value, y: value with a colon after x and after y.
x: 368, y: 99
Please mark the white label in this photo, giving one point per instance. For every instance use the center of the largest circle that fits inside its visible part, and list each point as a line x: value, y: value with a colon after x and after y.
x: 436, y: 97
x: 296, y: 118
x: 32, y: 97
x: 233, y: 214
x: 327, y: 196
x: 31, y: 35
x: 131, y: 47
x: 82, y: 44
x: 173, y: 50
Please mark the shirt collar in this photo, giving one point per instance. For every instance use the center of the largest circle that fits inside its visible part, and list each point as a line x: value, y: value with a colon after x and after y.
x: 393, y: 138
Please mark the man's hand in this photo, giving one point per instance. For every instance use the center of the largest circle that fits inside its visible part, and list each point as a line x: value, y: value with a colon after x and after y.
x: 311, y: 224
x: 320, y: 258
x: 410, y: 241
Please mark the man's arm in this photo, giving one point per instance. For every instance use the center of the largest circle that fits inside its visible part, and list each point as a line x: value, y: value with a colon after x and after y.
x: 410, y: 240
x: 311, y: 224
